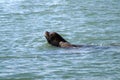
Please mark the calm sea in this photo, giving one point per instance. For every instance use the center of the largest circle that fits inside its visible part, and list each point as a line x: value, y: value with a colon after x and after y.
x: 26, y: 55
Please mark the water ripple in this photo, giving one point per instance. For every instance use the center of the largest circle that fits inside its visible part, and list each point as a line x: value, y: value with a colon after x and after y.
x: 25, y: 54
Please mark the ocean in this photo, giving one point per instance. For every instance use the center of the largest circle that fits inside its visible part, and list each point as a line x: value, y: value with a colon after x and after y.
x: 26, y: 55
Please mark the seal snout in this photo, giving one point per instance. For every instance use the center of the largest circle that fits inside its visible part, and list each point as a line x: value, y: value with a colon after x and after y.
x: 46, y: 34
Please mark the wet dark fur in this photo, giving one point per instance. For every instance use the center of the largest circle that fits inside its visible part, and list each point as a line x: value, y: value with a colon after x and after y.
x: 55, y: 39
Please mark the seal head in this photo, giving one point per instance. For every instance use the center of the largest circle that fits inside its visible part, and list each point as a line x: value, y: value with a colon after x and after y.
x: 54, y: 38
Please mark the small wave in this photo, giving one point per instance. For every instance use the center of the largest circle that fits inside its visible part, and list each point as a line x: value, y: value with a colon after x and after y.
x: 10, y: 6
x: 56, y: 2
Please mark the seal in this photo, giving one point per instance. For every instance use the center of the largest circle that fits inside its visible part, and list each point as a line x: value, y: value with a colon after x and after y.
x: 57, y: 40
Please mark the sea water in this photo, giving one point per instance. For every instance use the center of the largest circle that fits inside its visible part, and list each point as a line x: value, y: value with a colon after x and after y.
x: 26, y: 55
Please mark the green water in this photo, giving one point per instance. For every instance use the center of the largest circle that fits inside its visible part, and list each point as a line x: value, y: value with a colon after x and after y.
x: 25, y: 54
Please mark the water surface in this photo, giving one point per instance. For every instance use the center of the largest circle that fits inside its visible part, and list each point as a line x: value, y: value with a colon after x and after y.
x: 25, y: 54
